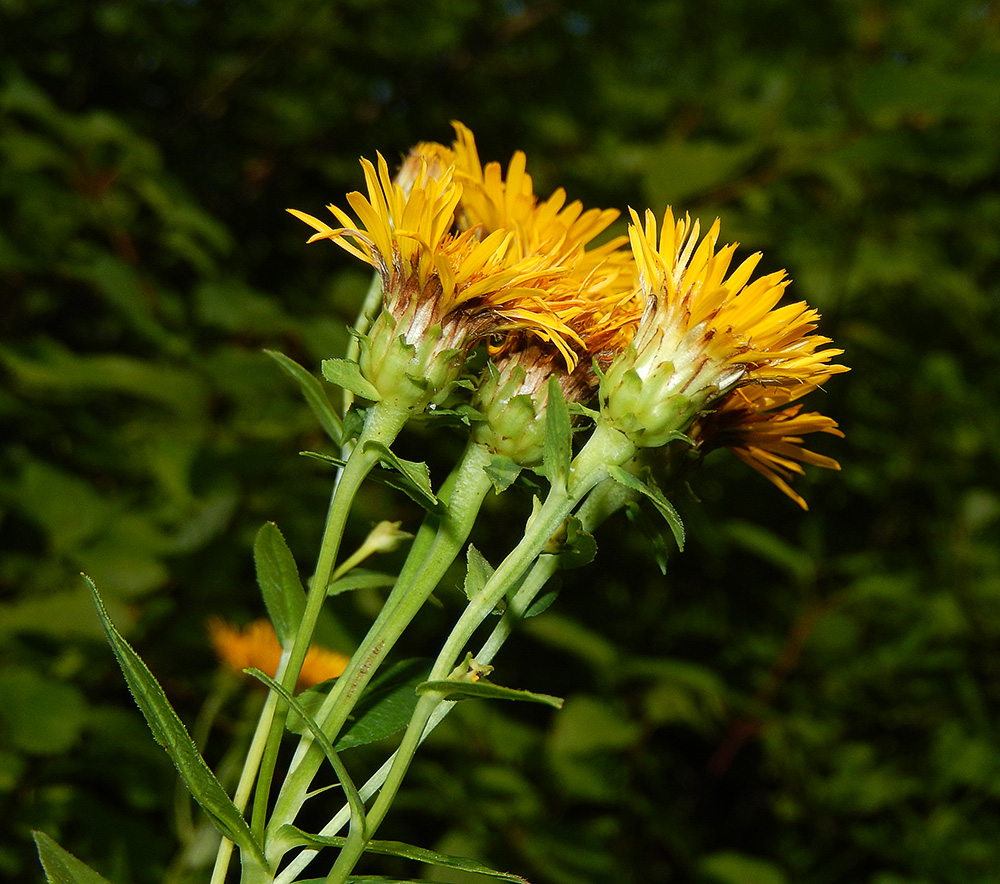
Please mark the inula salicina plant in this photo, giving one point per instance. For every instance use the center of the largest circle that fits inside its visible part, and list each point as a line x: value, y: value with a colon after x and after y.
x: 605, y: 370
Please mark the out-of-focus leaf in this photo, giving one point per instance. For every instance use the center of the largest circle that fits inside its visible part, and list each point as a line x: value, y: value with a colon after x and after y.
x: 587, y: 725
x: 359, y: 578
x: 39, y: 716
x: 729, y: 867
x: 386, y: 706
x: 679, y: 170
x: 654, y: 494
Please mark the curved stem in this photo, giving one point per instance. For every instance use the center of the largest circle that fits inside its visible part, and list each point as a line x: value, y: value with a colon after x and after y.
x: 605, y: 447
x: 429, y: 559
x: 605, y: 500
x: 382, y: 425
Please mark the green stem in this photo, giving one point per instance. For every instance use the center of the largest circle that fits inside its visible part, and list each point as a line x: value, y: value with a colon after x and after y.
x: 381, y: 425
x: 605, y: 447
x: 430, y: 557
x: 605, y: 500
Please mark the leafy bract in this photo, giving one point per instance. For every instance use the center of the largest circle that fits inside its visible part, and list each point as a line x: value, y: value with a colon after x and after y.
x: 346, y: 374
x: 419, y: 491
x: 502, y: 472
x: 477, y: 572
x: 558, y: 451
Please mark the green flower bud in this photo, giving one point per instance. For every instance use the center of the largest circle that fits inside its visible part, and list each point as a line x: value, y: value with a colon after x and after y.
x: 409, y: 371
x: 513, y: 398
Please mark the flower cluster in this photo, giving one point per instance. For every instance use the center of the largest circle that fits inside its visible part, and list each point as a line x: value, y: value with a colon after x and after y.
x: 656, y: 328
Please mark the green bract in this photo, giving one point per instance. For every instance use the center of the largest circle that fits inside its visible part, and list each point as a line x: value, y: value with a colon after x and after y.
x: 408, y: 376
x: 649, y: 410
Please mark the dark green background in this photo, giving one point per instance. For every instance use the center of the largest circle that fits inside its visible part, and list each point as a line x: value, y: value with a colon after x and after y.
x: 803, y: 699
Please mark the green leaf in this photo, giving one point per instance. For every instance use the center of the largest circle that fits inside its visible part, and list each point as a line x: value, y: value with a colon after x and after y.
x: 366, y: 879
x: 314, y: 394
x: 416, y: 474
x: 387, y: 706
x: 278, y: 578
x: 60, y: 866
x: 359, y: 578
x: 40, y: 716
x: 591, y: 724
x: 680, y: 169
x: 391, y: 478
x: 502, y: 472
x: 665, y: 507
x: 577, y: 548
x: 558, y: 436
x: 477, y: 572
x: 346, y: 373
x: 171, y: 734
x: 541, y: 604
x: 771, y: 548
x: 452, y: 689
x: 398, y: 848
x: 358, y: 816
x: 730, y: 867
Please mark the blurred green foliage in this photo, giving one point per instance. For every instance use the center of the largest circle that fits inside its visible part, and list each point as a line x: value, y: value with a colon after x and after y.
x: 802, y: 698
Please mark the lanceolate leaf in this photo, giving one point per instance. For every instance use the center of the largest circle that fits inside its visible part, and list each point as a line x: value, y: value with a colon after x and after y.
x: 171, y: 734
x: 665, y: 507
x: 558, y: 436
x: 387, y: 706
x: 346, y: 374
x: 482, y: 689
x: 393, y: 479
x: 417, y: 474
x: 579, y: 548
x: 278, y: 578
x: 398, y: 848
x: 477, y: 572
x: 502, y: 472
x: 350, y: 790
x: 315, y: 395
x: 360, y: 578
x: 61, y: 867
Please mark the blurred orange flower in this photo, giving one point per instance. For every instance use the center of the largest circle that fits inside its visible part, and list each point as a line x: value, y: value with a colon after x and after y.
x: 256, y: 645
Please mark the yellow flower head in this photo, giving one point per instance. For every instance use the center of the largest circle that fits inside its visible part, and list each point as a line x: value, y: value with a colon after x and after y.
x: 444, y: 289
x: 550, y: 225
x: 704, y: 330
x: 761, y: 427
x: 427, y: 158
x: 257, y: 646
